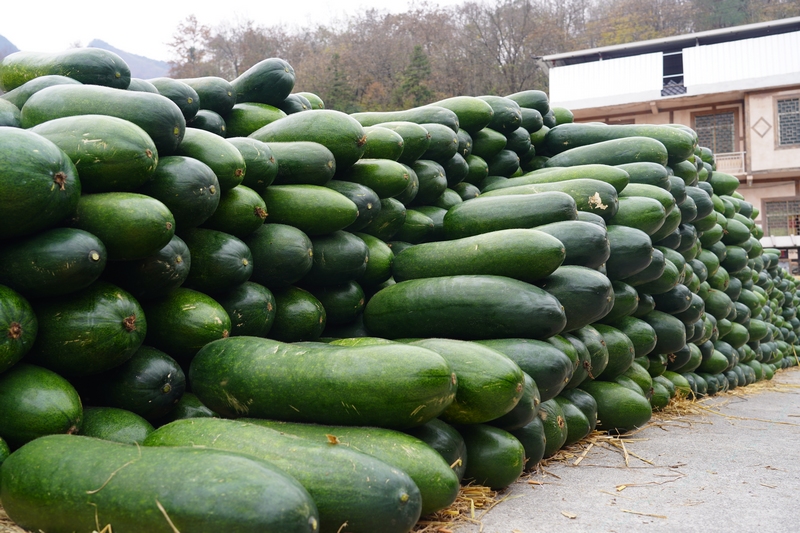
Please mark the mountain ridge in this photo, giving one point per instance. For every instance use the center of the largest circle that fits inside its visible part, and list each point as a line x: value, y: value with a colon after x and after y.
x: 6, y: 47
x: 141, y: 66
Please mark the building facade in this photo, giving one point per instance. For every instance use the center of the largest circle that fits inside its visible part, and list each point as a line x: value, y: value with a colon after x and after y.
x: 739, y: 88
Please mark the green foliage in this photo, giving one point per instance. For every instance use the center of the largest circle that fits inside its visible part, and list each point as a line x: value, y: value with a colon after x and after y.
x: 714, y: 14
x: 340, y: 95
x: 624, y: 21
x: 413, y: 90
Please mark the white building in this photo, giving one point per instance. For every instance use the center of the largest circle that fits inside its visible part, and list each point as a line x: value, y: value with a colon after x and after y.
x: 739, y: 88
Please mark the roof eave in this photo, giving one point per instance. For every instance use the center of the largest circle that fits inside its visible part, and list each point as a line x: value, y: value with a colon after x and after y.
x: 675, y: 40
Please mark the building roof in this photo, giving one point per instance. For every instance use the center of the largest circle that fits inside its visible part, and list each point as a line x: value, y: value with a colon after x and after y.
x: 784, y: 241
x: 676, y: 42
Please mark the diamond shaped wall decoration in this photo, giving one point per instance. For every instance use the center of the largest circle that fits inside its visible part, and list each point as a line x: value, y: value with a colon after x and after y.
x: 762, y: 127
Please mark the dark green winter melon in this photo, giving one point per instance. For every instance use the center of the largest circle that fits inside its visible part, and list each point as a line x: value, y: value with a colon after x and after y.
x: 88, y: 332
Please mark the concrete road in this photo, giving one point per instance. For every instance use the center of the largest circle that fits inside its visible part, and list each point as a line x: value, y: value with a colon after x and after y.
x: 728, y: 464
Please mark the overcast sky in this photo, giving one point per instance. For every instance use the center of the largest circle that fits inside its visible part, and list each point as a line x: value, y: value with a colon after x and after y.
x: 146, y: 27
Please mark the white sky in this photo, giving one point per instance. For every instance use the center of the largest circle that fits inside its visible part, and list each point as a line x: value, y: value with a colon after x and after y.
x: 147, y: 26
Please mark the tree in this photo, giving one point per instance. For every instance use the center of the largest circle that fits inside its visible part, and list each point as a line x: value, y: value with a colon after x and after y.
x: 189, y: 49
x: 507, y: 39
x: 714, y: 14
x: 377, y: 60
x: 340, y: 94
x: 375, y: 46
x: 237, y: 46
x: 413, y: 90
x: 763, y: 10
x: 226, y: 50
x: 624, y: 21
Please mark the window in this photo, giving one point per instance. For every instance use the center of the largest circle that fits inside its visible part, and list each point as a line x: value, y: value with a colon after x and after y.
x: 673, y: 74
x: 789, y: 121
x: 717, y: 131
x: 782, y: 217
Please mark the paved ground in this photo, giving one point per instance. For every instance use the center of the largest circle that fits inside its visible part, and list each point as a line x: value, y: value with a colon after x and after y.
x: 735, y: 471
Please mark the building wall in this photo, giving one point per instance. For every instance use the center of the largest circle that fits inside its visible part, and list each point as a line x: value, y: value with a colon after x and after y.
x: 748, y: 62
x: 685, y: 116
x: 747, y: 76
x: 764, y: 152
x: 615, y: 80
x: 758, y: 191
x: 742, y: 65
x: 650, y: 118
x: 779, y: 167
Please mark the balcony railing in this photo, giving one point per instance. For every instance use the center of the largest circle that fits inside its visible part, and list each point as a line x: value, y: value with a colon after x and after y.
x: 730, y: 163
x: 673, y: 88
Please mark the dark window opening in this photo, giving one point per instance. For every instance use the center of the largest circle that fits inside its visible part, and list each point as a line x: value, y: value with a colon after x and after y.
x: 673, y: 74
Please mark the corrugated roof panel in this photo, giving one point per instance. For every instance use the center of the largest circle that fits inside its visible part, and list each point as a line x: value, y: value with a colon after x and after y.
x: 773, y: 55
x: 613, y: 77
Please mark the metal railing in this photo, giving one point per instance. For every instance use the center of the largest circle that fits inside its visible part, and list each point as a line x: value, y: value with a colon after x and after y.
x: 730, y: 162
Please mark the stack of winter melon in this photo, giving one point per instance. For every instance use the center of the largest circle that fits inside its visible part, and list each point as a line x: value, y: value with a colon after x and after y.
x: 389, y: 303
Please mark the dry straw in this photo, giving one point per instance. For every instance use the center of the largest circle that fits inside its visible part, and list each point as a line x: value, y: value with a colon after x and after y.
x: 6, y: 525
x: 680, y: 410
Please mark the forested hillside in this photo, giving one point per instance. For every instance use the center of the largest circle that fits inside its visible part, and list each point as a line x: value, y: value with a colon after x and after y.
x: 380, y: 61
